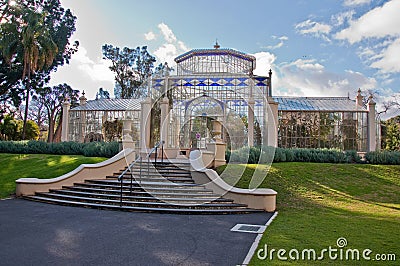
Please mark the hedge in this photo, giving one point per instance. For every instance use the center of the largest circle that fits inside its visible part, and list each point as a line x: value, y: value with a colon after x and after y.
x: 252, y: 155
x: 91, y: 149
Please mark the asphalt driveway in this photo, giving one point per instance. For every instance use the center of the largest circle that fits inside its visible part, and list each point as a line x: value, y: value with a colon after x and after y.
x: 33, y: 233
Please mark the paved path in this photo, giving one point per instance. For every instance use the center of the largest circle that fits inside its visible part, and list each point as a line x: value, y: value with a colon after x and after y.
x: 33, y: 233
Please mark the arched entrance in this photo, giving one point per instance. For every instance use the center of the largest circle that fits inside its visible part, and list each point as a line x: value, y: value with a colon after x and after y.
x: 197, y: 129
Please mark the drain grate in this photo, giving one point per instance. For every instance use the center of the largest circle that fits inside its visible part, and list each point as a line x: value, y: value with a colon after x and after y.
x: 249, y: 228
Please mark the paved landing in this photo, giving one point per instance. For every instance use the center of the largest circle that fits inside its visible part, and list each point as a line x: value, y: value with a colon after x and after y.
x: 33, y: 233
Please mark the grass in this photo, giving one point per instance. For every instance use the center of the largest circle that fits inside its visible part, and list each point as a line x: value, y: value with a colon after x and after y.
x: 14, y: 166
x: 319, y: 203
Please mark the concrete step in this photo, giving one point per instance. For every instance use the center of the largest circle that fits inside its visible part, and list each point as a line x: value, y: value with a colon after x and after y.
x: 142, y: 209
x: 145, y: 197
x: 146, y: 188
x: 126, y: 202
x: 117, y: 191
x: 126, y: 182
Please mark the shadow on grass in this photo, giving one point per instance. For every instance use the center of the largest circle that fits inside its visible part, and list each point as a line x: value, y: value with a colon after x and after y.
x: 15, y: 166
x: 318, y: 203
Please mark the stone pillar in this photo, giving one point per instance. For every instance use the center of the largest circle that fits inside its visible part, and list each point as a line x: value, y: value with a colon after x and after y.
x: 65, y: 120
x: 372, y: 137
x: 250, y: 122
x: 145, y: 124
x: 272, y: 123
x: 218, y: 147
x: 359, y: 99
x: 127, y: 141
x: 164, y: 121
x: 82, y: 99
x: 270, y: 84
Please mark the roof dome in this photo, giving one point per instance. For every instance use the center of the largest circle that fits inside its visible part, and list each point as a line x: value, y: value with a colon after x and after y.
x: 200, y: 61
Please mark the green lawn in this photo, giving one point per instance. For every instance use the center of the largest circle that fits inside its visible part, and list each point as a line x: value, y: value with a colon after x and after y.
x: 14, y: 166
x: 319, y: 203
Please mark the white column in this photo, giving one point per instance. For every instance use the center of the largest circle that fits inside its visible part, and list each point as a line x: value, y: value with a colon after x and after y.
x: 127, y: 141
x: 145, y: 124
x: 65, y: 120
x: 272, y: 126
x: 250, y: 122
x: 372, y: 138
x: 164, y: 121
x: 359, y: 99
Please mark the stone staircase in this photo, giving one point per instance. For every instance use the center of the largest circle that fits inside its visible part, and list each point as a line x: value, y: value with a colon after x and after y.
x: 162, y: 187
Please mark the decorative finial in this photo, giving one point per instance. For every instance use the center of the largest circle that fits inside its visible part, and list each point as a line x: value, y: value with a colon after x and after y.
x: 216, y: 46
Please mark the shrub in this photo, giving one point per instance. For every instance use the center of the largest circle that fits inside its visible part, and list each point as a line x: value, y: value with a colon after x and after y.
x: 252, y: 155
x: 92, y: 149
x: 383, y: 157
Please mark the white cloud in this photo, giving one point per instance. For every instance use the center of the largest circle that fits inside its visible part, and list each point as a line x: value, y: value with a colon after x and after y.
x: 342, y: 18
x: 282, y: 41
x: 389, y: 59
x: 380, y: 22
x: 150, y: 36
x: 84, y: 73
x: 264, y: 62
x: 356, y: 2
x: 171, y: 47
x: 307, y: 77
x: 166, y: 53
x: 308, y: 65
x: 97, y: 71
x: 169, y: 36
x: 314, y: 28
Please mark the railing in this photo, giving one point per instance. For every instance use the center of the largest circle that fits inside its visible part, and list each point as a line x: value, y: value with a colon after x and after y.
x: 140, y: 160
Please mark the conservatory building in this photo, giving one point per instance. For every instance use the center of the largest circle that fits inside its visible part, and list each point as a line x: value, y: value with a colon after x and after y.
x: 216, y: 102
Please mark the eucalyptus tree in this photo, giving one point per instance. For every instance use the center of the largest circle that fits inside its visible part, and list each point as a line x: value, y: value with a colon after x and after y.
x: 52, y: 99
x: 34, y: 41
x: 132, y: 67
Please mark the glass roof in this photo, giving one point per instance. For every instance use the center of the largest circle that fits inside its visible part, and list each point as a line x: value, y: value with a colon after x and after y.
x: 110, y: 105
x: 335, y: 104
x: 215, y: 61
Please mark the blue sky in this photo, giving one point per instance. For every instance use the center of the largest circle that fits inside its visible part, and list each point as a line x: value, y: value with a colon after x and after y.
x: 314, y: 47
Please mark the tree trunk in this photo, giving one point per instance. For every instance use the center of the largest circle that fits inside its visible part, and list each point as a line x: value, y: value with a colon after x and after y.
x: 28, y: 86
x: 50, y: 134
x: 57, y: 134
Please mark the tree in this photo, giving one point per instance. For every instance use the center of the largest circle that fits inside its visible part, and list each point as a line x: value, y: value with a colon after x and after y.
x: 34, y: 41
x: 391, y: 134
x: 132, y: 67
x: 102, y: 94
x: 37, y: 113
x: 11, y: 129
x: 52, y: 99
x: 112, y: 130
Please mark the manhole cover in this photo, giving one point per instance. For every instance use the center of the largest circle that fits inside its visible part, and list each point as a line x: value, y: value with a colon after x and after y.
x: 249, y: 228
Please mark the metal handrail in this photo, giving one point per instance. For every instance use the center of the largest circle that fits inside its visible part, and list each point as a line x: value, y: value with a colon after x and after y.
x: 139, y: 159
x: 155, y: 149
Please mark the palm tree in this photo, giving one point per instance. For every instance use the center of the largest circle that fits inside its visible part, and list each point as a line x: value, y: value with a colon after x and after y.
x: 39, y: 51
x: 30, y: 39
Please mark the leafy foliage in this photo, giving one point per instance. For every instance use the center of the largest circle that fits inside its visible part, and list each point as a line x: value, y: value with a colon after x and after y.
x: 11, y: 129
x: 252, y: 155
x: 52, y: 99
x: 131, y: 67
x: 391, y: 134
x: 34, y: 41
x: 102, y: 94
x: 383, y: 157
x: 112, y: 129
x: 101, y: 149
